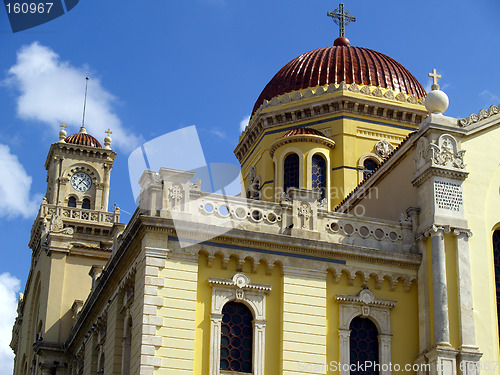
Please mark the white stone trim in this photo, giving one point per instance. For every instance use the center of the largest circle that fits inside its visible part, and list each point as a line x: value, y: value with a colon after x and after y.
x: 367, y: 306
x: 238, y: 289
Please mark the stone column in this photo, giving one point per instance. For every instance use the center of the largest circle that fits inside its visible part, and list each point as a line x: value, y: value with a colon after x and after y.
x: 439, y: 288
x: 105, y: 192
x: 215, y: 330
x: 345, y: 360
x: 259, y: 348
x: 384, y: 345
x: 423, y: 299
x: 469, y: 355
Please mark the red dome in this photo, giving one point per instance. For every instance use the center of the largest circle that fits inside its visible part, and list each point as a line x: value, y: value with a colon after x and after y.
x: 303, y: 131
x: 335, y: 64
x: 83, y: 139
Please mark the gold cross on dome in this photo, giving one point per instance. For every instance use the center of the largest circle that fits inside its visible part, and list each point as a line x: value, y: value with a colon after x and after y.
x: 63, y: 125
x: 108, y: 132
x: 435, y: 78
x: 341, y: 17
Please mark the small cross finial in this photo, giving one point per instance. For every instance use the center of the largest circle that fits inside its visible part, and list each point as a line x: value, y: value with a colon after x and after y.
x: 62, y: 133
x: 435, y: 78
x: 108, y: 132
x: 341, y: 17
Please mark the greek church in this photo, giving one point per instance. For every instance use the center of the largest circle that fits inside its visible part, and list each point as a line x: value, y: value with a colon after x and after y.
x: 365, y: 240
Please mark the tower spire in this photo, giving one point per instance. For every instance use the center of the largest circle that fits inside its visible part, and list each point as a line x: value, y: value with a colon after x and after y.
x: 341, y: 17
x: 83, y: 129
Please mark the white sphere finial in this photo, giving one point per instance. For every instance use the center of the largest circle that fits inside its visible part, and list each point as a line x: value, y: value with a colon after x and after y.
x: 436, y: 101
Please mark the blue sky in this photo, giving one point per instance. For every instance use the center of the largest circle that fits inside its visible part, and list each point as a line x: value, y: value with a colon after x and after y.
x: 156, y: 66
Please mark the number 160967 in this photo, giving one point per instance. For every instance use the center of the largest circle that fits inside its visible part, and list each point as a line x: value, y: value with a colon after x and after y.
x: 26, y: 8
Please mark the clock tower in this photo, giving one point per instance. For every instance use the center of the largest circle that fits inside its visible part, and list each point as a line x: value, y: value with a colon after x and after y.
x: 78, y: 171
x: 71, y: 242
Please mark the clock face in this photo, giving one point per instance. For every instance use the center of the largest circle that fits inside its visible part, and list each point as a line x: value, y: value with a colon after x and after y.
x: 81, y: 181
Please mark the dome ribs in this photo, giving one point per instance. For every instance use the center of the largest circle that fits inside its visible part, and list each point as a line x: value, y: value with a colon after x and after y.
x: 392, y: 78
x: 374, y: 81
x: 323, y: 70
x: 335, y: 64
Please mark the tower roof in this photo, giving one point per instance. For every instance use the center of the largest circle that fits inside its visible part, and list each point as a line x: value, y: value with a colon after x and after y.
x: 338, y: 63
x: 82, y: 138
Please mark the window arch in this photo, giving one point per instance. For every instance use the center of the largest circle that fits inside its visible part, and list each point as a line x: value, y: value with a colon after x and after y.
x: 319, y: 173
x: 357, y: 313
x: 71, y: 202
x: 86, y: 204
x: 291, y: 172
x: 496, y: 262
x: 236, y: 338
x: 240, y: 293
x: 363, y: 345
x: 369, y: 165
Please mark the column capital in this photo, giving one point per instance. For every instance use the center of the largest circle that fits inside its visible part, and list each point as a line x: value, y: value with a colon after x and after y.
x: 435, y: 230
x: 462, y: 232
x: 216, y: 318
x: 344, y: 333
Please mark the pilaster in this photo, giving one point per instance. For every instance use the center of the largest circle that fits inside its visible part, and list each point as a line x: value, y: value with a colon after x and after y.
x: 469, y: 355
x: 176, y: 286
x: 304, y: 319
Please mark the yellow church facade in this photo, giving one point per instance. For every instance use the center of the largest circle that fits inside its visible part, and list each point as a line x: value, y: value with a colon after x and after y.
x: 363, y: 242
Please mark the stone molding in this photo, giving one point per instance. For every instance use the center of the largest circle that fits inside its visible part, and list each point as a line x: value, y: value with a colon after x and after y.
x: 326, y: 104
x: 483, y: 113
x: 238, y: 289
x: 365, y: 305
x: 301, y: 138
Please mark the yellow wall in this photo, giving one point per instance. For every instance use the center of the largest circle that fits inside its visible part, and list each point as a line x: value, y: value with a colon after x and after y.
x: 481, y: 202
x: 355, y: 135
x: 273, y: 308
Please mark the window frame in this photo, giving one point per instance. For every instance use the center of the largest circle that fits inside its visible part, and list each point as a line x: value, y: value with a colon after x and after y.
x: 285, y: 188
x: 238, y: 289
x: 365, y: 305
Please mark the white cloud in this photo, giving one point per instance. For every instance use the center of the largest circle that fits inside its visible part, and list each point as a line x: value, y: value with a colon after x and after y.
x: 15, y: 187
x: 244, y: 122
x: 9, y: 287
x: 218, y: 133
x: 52, y: 91
x: 490, y: 97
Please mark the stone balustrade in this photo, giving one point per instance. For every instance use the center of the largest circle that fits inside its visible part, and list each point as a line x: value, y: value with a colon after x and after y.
x: 170, y: 194
x: 92, y: 216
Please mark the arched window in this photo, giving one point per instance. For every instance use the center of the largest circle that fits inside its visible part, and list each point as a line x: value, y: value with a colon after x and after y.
x: 236, y: 338
x: 72, y: 202
x: 363, y: 346
x: 369, y: 166
x: 319, y: 174
x: 86, y: 204
x: 291, y: 172
x: 496, y: 262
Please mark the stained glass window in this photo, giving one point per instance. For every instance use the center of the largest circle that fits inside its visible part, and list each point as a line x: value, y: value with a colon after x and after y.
x: 291, y: 169
x: 236, y: 338
x: 319, y: 174
x: 496, y: 262
x: 369, y: 166
x: 72, y: 202
x: 363, y: 346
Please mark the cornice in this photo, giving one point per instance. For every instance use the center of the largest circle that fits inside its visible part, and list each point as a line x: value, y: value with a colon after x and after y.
x: 439, y: 172
x: 89, y: 153
x: 292, y: 108
x: 301, y: 138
